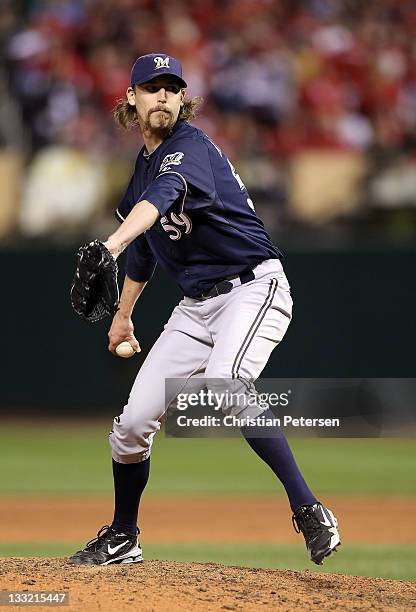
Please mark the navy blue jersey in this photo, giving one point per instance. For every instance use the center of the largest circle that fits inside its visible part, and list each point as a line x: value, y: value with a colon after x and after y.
x: 208, y: 228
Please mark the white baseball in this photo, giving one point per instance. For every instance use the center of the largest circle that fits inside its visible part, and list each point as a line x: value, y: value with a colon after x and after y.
x: 125, y: 349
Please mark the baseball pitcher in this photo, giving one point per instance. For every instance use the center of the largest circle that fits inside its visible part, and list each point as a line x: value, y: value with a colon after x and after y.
x: 187, y: 209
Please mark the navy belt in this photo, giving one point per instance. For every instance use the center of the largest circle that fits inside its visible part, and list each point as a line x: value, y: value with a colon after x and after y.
x: 225, y: 286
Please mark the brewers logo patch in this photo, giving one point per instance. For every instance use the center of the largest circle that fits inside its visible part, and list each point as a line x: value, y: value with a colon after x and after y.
x: 174, y: 159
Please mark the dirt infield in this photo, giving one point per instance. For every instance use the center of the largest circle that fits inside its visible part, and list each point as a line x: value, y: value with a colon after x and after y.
x: 188, y: 519
x: 166, y: 585
x: 163, y: 585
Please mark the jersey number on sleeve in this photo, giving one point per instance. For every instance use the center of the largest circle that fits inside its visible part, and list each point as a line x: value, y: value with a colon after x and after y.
x: 170, y: 225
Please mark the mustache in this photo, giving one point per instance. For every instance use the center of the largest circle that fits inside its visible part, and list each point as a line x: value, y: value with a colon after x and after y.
x: 159, y: 108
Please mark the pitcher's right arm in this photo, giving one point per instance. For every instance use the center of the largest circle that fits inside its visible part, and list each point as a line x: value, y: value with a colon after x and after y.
x: 122, y: 327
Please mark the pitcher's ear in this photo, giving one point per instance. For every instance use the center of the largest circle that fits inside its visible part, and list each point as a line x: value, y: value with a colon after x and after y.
x: 130, y: 93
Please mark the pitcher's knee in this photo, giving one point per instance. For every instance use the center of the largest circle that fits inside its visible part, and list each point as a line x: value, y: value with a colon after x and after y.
x: 235, y: 397
x: 131, y: 438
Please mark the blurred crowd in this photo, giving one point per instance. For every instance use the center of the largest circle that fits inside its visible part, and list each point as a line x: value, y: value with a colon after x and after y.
x: 313, y: 100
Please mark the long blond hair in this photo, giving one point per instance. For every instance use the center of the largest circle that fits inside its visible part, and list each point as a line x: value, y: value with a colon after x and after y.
x: 125, y: 115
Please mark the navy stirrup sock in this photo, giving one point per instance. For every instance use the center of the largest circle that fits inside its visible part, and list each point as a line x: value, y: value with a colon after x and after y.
x: 130, y: 480
x: 275, y: 451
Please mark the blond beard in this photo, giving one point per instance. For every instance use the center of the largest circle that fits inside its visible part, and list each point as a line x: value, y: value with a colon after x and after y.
x: 162, y: 130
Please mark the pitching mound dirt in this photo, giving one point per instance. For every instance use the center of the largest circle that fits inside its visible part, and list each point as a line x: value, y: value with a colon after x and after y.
x: 167, y: 585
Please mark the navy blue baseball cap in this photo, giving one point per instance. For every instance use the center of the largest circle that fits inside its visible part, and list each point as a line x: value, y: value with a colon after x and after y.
x: 148, y: 67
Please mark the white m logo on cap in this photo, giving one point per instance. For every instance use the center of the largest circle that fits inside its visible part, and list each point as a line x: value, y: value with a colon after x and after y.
x: 161, y: 62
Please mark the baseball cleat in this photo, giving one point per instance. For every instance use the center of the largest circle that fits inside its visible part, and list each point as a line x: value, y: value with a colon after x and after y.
x: 109, y: 547
x: 320, y: 530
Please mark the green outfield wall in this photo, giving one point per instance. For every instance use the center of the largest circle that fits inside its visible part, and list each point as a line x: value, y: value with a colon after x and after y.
x: 353, y: 317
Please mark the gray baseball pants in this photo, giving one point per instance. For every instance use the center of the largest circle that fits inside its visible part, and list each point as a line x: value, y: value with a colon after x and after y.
x: 230, y: 336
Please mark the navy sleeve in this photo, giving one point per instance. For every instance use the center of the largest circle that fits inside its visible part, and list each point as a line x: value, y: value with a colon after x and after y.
x: 185, y: 172
x: 189, y: 158
x: 140, y: 262
x: 164, y: 191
